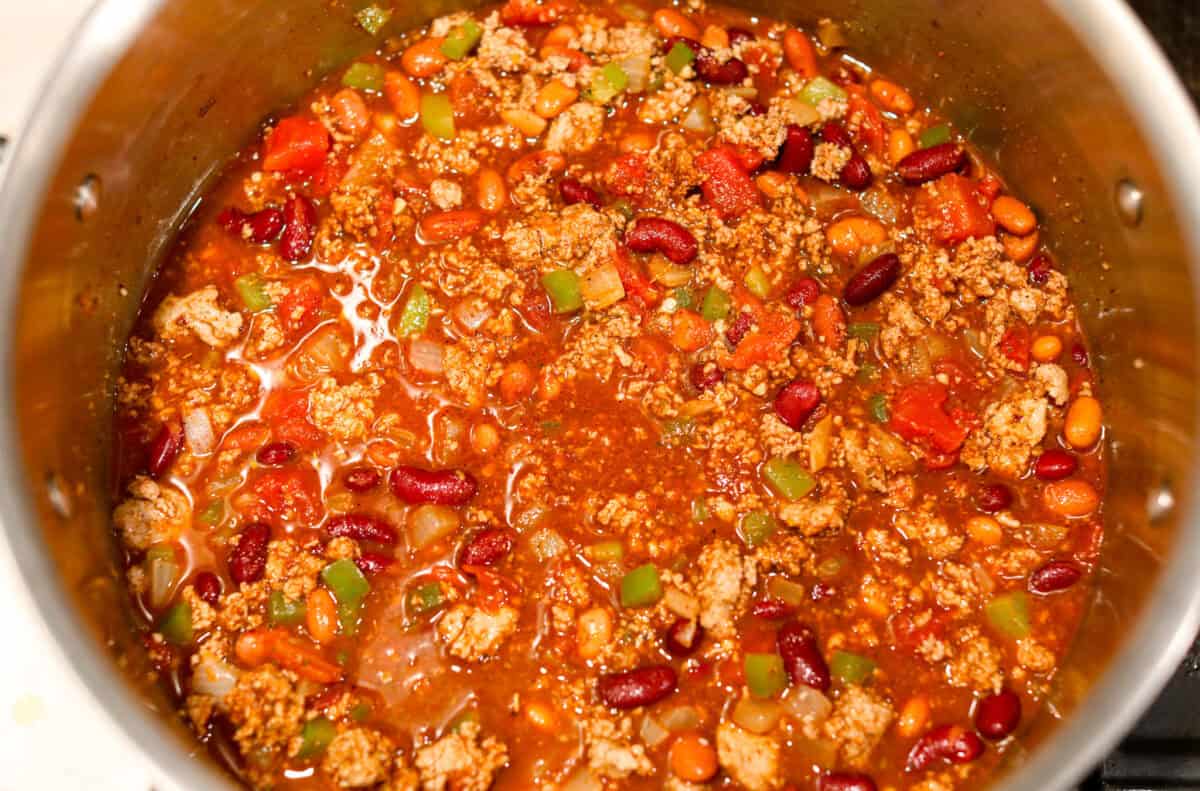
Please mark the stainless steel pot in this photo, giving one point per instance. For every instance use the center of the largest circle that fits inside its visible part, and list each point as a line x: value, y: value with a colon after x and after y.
x: 1070, y: 96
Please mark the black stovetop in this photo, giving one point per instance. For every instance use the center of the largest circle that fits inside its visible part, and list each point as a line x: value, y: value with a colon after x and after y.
x: 1163, y: 751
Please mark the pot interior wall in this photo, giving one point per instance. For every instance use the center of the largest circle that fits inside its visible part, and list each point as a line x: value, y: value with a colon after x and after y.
x: 201, y: 78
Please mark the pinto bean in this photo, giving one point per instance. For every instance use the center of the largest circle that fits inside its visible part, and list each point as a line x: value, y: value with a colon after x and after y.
x: 796, y: 401
x: 930, y: 163
x: 441, y: 487
x: 276, y: 453
x: 802, y: 658
x: 872, y: 280
x: 575, y: 191
x: 362, y: 527
x: 945, y: 744
x: 998, y: 715
x: 1055, y: 576
x: 656, y: 235
x: 797, y: 154
x: 248, y: 560
x: 257, y: 228
x: 486, y: 548
x: 295, y: 243
x: 639, y: 687
x: 449, y: 226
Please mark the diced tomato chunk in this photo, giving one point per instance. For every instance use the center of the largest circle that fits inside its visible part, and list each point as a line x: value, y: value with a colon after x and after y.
x: 300, y: 308
x: 637, y: 285
x: 627, y: 174
x: 727, y: 185
x: 296, y: 143
x: 531, y: 13
x: 1015, y: 344
x: 866, y: 123
x: 919, y: 415
x: 286, y: 412
x: 955, y: 209
x: 767, y: 342
x: 291, y: 493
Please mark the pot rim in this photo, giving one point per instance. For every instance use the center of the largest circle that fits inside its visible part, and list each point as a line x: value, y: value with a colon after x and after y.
x: 1119, y: 44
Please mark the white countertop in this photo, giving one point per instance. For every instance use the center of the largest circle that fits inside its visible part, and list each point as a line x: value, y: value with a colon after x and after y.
x: 54, y: 736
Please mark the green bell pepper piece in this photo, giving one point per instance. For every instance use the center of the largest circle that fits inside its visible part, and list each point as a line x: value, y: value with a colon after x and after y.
x: 756, y: 527
x: 1008, y: 613
x: 414, y: 318
x: 851, y: 668
x: 364, y: 77
x: 641, y: 587
x: 563, y: 287
x: 437, y: 116
x: 460, y: 41
x: 716, y: 304
x: 253, y: 292
x: 765, y: 675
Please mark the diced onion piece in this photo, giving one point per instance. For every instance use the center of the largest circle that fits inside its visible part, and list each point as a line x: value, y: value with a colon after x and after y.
x: 891, y: 449
x: 786, y: 591
x: 471, y: 313
x: 637, y: 68
x: 803, y: 114
x: 162, y: 572
x: 583, y: 780
x: 820, y: 444
x: 803, y: 702
x: 757, y: 716
x: 681, y: 604
x: 680, y: 718
x: 426, y: 355
x: 653, y: 733
x: 430, y: 523
x: 698, y: 117
x: 325, y: 352
x: 601, y: 287
x: 670, y: 275
x: 199, y: 431
x: 213, y: 676
x: 830, y: 34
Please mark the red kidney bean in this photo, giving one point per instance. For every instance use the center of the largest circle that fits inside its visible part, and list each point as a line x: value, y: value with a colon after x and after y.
x: 257, y: 228
x: 276, y: 453
x: 856, y: 173
x: 805, y: 292
x: 739, y: 34
x: 639, y: 687
x: 487, y: 547
x: 373, y: 562
x: 872, y: 280
x: 835, y: 133
x: 683, y: 637
x: 296, y: 242
x: 931, y: 163
x: 1080, y: 355
x: 993, y: 498
x: 944, y: 743
x: 1057, y: 575
x: 248, y: 560
x: 705, y: 375
x: 165, y: 446
x: 738, y: 328
x: 441, y: 487
x: 1039, y: 269
x: 756, y: 108
x: 846, y: 781
x: 208, y: 587
x: 575, y: 191
x: 361, y: 479
x: 362, y: 527
x: 772, y: 609
x: 797, y: 153
x: 802, y: 658
x: 998, y: 715
x: 1054, y: 465
x: 714, y: 72
x: 656, y: 235
x: 796, y: 401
